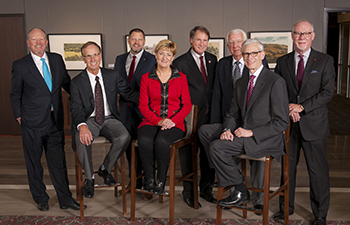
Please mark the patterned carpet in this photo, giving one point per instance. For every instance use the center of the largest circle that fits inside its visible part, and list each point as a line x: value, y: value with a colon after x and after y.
x: 40, y: 220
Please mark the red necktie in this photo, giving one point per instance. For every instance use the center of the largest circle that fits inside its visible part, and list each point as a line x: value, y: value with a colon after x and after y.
x: 99, y: 106
x: 300, y: 70
x: 204, y: 74
x: 132, y: 68
x: 250, y: 88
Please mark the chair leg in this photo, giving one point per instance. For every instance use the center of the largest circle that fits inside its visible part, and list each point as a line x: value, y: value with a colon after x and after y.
x: 133, y: 182
x: 195, y: 175
x: 244, y: 172
x: 172, y: 185
x: 218, y: 207
x: 79, y: 185
x: 286, y: 190
x: 123, y: 184
x: 267, y: 178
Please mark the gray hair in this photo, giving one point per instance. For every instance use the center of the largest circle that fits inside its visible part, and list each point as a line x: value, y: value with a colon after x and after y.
x: 34, y: 29
x: 252, y: 41
x: 237, y: 31
x: 303, y: 20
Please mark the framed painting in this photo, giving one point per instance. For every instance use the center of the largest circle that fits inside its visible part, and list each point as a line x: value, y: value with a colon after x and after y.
x: 216, y: 46
x: 276, y: 44
x: 69, y: 45
x: 151, y: 41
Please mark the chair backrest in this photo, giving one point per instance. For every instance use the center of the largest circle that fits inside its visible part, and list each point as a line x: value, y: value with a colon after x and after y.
x: 191, y: 121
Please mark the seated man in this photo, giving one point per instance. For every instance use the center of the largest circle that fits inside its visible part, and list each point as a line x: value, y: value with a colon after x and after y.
x: 93, y: 104
x: 254, y: 125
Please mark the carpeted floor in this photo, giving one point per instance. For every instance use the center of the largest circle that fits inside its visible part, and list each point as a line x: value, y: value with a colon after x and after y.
x: 41, y: 220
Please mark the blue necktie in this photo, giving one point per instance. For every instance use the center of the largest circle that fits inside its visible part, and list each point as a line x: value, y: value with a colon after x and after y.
x: 46, y: 73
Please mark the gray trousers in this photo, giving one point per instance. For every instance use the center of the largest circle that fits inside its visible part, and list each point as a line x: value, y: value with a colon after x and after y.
x: 208, y: 133
x: 114, y: 131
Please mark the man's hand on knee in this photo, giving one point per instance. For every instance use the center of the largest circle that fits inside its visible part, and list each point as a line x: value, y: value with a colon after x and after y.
x: 85, y: 135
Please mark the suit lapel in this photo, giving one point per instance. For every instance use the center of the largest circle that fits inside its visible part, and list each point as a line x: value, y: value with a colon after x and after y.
x: 259, y: 86
x: 228, y: 75
x: 311, y: 62
x: 54, y: 77
x: 30, y: 64
x: 141, y: 63
x: 193, y: 66
x: 291, y: 69
x: 243, y: 97
x: 85, y: 83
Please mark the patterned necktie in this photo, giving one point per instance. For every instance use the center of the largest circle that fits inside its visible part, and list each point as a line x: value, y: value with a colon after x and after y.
x: 47, y: 76
x: 99, y: 106
x: 132, y: 68
x: 204, y: 74
x: 300, y: 70
x: 250, y: 89
x: 236, y: 72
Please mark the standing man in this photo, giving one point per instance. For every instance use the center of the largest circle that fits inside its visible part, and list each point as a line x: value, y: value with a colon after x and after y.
x: 131, y: 66
x: 36, y: 101
x: 310, y: 79
x: 254, y: 126
x: 228, y: 71
x: 93, y: 104
x: 199, y: 67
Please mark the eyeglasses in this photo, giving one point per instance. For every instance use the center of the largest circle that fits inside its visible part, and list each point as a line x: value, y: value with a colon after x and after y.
x: 253, y: 54
x: 298, y: 34
x: 89, y: 57
x: 235, y: 42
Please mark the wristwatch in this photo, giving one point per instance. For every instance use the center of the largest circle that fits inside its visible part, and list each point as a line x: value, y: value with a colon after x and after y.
x: 302, y: 107
x: 226, y: 129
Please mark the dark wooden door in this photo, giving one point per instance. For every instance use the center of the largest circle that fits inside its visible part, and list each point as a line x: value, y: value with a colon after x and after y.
x: 12, y: 47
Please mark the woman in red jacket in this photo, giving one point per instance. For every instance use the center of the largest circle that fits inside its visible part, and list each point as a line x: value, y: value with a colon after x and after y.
x: 164, y: 102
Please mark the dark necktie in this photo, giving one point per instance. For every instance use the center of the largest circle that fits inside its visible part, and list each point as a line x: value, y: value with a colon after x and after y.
x: 250, y: 89
x: 236, y: 72
x: 132, y: 68
x: 300, y: 70
x: 99, y: 106
x: 47, y: 76
x: 204, y: 74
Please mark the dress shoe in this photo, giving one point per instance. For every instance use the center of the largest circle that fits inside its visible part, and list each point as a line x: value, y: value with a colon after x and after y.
x: 280, y: 215
x: 107, y: 177
x: 149, y: 185
x: 74, y: 205
x: 147, y: 197
x: 190, y: 202
x: 209, y: 197
x: 319, y: 221
x: 88, y: 188
x: 159, y: 188
x: 260, y: 208
x: 43, y: 206
x: 236, y: 198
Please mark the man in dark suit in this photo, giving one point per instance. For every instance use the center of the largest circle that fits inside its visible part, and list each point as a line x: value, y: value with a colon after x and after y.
x: 228, y: 71
x: 199, y: 67
x: 93, y: 104
x: 254, y: 125
x: 131, y: 66
x: 36, y: 101
x: 309, y: 91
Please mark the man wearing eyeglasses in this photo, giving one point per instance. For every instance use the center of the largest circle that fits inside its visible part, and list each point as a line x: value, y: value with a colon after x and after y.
x: 254, y: 126
x: 93, y: 105
x: 228, y: 71
x: 310, y: 79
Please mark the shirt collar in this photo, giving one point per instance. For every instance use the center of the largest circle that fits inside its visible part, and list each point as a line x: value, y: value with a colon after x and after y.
x: 195, y: 54
x: 138, y: 55
x: 37, y: 58
x: 257, y: 72
x: 305, y: 55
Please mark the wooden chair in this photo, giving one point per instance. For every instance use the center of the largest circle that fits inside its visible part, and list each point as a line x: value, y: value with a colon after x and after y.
x: 189, y: 139
x: 283, y: 190
x: 79, y: 182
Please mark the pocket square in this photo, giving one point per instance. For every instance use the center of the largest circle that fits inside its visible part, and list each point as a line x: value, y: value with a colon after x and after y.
x: 314, y: 71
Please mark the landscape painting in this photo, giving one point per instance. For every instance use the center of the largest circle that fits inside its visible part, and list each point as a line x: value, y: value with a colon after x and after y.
x: 276, y: 44
x: 72, y: 51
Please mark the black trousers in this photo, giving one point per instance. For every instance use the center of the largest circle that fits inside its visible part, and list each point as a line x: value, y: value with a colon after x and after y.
x: 317, y: 166
x: 52, y: 141
x: 154, y: 146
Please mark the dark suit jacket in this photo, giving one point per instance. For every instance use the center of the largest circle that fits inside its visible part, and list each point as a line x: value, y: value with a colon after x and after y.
x: 267, y: 114
x: 316, y: 90
x: 199, y: 91
x: 223, y: 89
x: 144, y: 66
x: 82, y: 101
x: 30, y: 97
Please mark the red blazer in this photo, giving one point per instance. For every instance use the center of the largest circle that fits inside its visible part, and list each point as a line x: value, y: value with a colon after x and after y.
x: 170, y: 100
